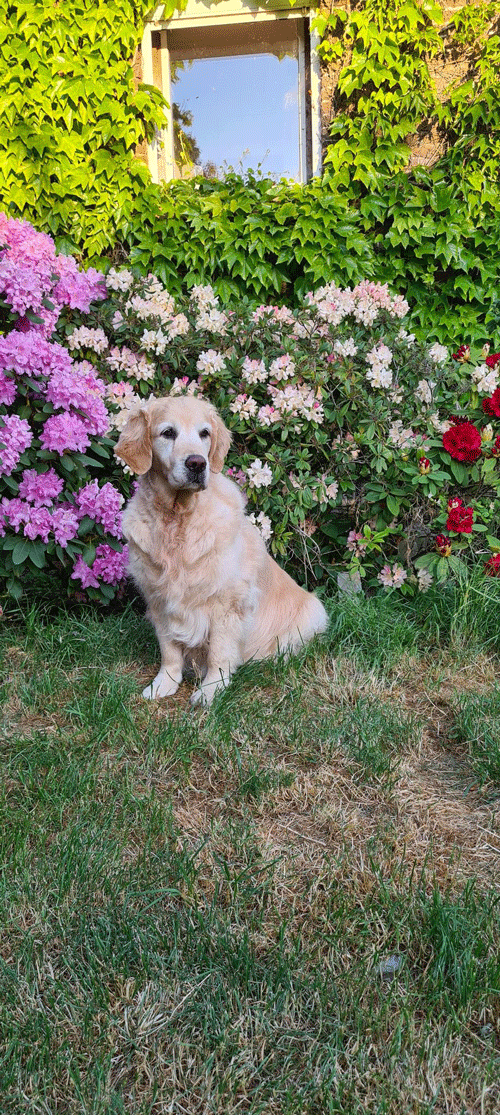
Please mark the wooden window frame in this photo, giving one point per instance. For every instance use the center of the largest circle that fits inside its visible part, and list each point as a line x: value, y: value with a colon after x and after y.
x: 156, y: 71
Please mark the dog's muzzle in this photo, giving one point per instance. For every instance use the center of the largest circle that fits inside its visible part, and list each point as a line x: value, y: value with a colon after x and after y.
x: 196, y: 468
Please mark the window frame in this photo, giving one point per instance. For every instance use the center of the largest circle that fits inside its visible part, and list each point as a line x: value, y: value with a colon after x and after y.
x: 197, y: 14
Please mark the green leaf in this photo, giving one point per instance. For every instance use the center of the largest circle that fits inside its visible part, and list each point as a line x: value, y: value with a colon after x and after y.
x: 393, y: 504
x: 20, y: 552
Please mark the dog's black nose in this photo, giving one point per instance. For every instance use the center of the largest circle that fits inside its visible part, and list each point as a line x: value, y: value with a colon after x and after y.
x: 195, y: 464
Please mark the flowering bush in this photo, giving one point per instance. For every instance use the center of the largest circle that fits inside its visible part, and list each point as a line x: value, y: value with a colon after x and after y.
x: 54, y: 512
x: 357, y: 446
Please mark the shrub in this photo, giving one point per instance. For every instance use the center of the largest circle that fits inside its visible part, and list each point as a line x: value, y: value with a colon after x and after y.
x: 55, y: 514
x: 359, y: 449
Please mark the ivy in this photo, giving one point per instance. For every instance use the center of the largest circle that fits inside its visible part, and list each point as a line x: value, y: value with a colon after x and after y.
x: 71, y: 119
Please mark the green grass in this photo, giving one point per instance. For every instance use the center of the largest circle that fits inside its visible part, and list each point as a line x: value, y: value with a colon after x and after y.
x: 477, y: 725
x: 200, y: 911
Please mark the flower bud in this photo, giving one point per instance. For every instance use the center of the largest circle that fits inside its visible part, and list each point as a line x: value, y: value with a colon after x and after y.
x: 484, y: 351
x: 424, y: 466
x: 443, y: 545
x: 487, y: 433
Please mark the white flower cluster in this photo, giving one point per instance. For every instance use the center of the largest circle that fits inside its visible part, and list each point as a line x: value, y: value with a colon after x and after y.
x: 160, y: 305
x: 425, y: 580
x: 486, y: 379
x: 400, y: 437
x: 263, y: 524
x: 345, y: 348
x: 204, y: 297
x: 212, y: 321
x: 259, y: 475
x: 365, y: 302
x: 154, y: 340
x: 297, y: 400
x: 409, y: 338
x: 254, y: 371
x: 126, y: 362
x: 119, y: 280
x: 95, y: 339
x: 283, y: 367
x: 392, y: 578
x: 184, y: 385
x: 244, y: 405
x: 441, y: 425
x: 438, y: 353
x: 424, y: 391
x: 379, y: 359
x: 324, y: 493
x: 210, y: 362
x: 124, y: 396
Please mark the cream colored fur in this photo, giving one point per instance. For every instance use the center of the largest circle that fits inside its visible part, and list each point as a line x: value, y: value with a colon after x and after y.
x: 214, y: 594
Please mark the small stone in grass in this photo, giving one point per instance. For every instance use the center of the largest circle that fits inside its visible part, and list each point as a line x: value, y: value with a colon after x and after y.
x: 389, y: 967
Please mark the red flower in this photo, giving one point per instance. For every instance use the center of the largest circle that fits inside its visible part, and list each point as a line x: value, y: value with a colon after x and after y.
x: 493, y: 360
x: 462, y: 354
x: 424, y: 466
x: 492, y: 567
x: 463, y: 442
x: 492, y: 405
x: 460, y: 518
x: 443, y: 545
x: 495, y: 448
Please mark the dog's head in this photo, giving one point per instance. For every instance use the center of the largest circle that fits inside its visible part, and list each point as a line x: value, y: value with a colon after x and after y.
x: 180, y: 436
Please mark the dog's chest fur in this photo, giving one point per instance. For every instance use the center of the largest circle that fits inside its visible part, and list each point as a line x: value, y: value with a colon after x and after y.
x: 181, y: 562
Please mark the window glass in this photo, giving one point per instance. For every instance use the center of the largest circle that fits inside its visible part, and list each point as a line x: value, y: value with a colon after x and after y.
x: 235, y: 98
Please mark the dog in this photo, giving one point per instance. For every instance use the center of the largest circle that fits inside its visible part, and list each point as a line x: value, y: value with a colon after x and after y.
x: 214, y: 594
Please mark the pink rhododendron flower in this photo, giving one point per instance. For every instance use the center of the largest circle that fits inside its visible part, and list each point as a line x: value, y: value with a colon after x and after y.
x: 15, y: 437
x: 7, y: 390
x: 102, y: 504
x: 30, y: 354
x: 82, y: 572
x: 32, y: 274
x: 65, y: 432
x: 64, y: 524
x: 39, y: 523
x: 40, y: 488
x: 110, y: 565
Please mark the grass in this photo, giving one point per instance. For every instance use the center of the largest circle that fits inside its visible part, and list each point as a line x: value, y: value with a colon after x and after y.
x: 289, y: 904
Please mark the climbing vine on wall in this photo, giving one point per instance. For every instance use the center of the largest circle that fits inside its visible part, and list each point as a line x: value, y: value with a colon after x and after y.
x: 72, y: 117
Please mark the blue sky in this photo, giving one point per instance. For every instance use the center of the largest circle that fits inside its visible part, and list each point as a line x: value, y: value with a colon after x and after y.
x: 243, y: 104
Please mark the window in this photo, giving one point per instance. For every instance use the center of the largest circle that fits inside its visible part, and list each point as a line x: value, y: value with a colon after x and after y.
x: 242, y: 83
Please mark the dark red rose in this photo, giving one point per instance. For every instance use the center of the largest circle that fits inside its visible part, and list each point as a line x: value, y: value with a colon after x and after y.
x: 493, y: 360
x: 463, y: 442
x: 491, y: 406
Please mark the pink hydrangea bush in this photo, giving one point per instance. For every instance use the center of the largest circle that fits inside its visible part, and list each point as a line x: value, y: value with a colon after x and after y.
x: 56, y: 513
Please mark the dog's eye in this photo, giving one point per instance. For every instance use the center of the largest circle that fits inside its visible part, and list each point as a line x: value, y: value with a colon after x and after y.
x: 205, y: 433
x: 169, y: 433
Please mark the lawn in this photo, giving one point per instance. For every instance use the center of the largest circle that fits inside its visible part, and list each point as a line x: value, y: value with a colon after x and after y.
x: 287, y: 904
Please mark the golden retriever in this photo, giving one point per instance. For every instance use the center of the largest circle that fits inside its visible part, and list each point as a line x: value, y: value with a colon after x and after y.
x: 212, y: 590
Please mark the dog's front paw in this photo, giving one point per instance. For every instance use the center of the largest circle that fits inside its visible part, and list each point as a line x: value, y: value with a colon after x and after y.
x: 162, y: 686
x: 200, y: 698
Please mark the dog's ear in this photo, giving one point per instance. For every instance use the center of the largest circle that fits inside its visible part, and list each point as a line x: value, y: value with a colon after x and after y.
x: 134, y: 444
x: 221, y: 440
